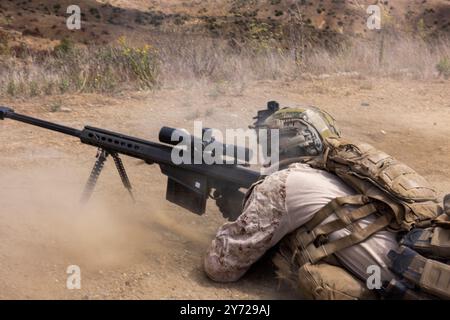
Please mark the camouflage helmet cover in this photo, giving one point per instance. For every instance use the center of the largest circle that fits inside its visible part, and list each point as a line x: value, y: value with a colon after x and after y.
x: 302, y: 130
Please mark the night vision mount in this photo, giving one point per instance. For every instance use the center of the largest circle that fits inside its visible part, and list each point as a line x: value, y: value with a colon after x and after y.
x: 262, y: 115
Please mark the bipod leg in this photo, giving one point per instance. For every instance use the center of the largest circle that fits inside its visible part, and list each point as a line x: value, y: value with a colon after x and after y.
x: 123, y: 174
x: 102, y: 155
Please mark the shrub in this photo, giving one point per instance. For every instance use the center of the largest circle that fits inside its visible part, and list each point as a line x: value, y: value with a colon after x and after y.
x: 104, y: 68
x: 443, y: 67
x: 64, y: 47
x: 34, y: 88
x: 4, y: 45
x: 11, y: 88
x: 278, y: 13
x: 142, y: 63
x: 49, y: 88
x: 64, y: 86
x: 262, y: 37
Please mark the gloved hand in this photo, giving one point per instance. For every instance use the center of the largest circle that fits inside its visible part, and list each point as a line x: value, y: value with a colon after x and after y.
x: 230, y: 202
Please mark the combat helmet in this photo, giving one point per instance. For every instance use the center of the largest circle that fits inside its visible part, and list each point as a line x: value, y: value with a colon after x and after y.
x: 302, y: 130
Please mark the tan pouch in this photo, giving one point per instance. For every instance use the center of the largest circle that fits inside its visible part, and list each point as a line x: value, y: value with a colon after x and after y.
x: 435, y: 278
x: 432, y: 242
x: 431, y: 276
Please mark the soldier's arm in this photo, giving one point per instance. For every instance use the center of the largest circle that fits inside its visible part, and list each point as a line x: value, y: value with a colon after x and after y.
x: 239, y: 244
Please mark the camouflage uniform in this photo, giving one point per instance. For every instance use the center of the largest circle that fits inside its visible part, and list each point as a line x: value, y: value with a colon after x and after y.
x: 240, y: 243
x: 280, y: 204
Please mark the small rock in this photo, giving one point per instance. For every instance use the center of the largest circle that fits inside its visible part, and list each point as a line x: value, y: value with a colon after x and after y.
x: 324, y: 76
x: 383, y: 132
x: 65, y: 109
x: 365, y: 104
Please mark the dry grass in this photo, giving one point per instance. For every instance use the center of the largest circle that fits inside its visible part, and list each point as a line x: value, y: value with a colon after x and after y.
x: 79, y: 69
x: 401, y: 57
x: 170, y: 61
x: 216, y: 61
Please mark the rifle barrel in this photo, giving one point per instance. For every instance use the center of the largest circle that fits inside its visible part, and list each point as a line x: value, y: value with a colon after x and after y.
x: 9, y: 113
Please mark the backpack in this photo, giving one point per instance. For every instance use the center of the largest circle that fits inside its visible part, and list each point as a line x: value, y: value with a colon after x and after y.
x: 411, y: 200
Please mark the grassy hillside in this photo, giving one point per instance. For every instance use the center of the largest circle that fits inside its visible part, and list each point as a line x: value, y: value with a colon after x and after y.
x: 104, y: 21
x: 144, y: 44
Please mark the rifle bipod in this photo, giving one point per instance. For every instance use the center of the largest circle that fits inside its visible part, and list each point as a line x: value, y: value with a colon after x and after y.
x: 102, y: 156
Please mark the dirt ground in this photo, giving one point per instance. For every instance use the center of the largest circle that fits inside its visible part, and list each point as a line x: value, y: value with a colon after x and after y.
x: 153, y: 249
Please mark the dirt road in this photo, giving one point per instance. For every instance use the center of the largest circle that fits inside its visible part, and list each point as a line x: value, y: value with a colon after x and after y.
x: 152, y: 249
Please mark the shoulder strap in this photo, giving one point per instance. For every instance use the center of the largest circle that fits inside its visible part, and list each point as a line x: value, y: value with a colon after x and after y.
x: 345, y: 219
x: 332, y: 206
x: 315, y: 253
